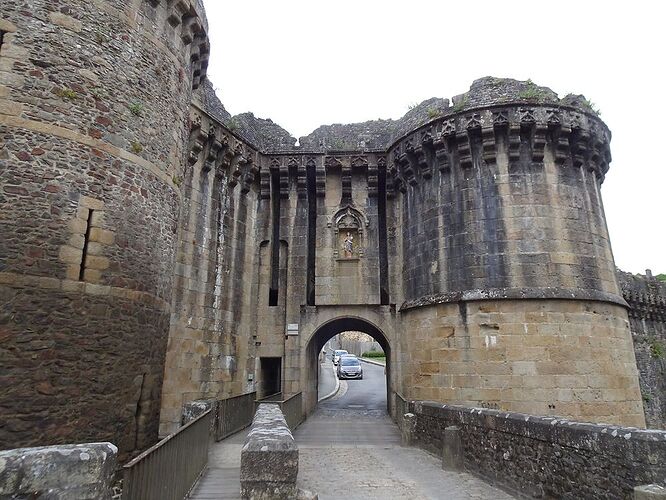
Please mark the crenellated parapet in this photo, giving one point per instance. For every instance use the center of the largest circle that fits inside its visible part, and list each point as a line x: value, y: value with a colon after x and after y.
x: 645, y: 295
x: 183, y: 24
x: 575, y: 138
x: 495, y: 191
x: 212, y: 147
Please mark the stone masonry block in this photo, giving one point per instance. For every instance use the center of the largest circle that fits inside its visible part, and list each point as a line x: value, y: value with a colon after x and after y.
x: 72, y: 472
x: 65, y: 21
x: 70, y: 255
x: 269, y: 458
x: 97, y: 262
x: 91, y: 203
x: 78, y: 226
x: 649, y: 492
x: 102, y: 236
x: 6, y: 26
x: 97, y: 218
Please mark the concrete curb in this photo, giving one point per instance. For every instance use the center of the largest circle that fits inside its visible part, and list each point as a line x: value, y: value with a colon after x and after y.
x: 372, y: 362
x: 334, y: 391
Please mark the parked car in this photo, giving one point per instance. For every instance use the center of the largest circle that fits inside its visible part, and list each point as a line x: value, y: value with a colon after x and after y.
x: 349, y: 367
x: 336, y: 355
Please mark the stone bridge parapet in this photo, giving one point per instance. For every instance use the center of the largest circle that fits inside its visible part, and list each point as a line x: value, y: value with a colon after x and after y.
x: 545, y: 457
x: 269, y: 458
x: 72, y: 472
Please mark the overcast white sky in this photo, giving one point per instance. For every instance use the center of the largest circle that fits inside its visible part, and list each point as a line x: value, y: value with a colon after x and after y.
x: 308, y: 63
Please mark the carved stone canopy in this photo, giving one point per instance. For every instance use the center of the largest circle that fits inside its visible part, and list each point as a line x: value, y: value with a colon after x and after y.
x: 348, y: 218
x: 348, y: 221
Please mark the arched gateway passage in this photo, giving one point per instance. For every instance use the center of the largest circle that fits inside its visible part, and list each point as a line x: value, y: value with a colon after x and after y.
x: 322, y: 335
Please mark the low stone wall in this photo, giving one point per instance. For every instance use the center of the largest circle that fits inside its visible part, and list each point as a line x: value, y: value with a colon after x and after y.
x: 269, y: 458
x: 67, y: 472
x: 544, y: 457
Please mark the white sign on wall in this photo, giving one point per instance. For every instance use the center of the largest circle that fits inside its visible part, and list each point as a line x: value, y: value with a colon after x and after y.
x: 292, y: 329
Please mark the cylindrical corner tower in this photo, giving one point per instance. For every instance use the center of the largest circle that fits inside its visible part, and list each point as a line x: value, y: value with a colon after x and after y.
x: 510, y: 295
x: 94, y: 106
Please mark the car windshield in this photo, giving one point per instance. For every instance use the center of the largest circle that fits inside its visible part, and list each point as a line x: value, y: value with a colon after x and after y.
x: 338, y: 353
x: 350, y: 362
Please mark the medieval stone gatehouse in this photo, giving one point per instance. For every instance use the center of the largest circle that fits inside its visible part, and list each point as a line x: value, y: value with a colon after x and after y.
x: 155, y: 251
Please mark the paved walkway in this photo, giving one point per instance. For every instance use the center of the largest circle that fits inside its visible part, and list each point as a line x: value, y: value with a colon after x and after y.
x: 350, y: 449
x: 221, y: 480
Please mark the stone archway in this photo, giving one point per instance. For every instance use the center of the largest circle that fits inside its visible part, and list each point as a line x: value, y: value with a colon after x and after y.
x: 323, y: 334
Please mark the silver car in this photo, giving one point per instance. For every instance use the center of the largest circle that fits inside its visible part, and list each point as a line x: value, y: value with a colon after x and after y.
x: 350, y: 367
x: 336, y: 355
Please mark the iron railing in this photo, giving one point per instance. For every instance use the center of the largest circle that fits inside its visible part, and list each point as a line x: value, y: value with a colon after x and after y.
x: 273, y: 398
x: 169, y: 469
x: 234, y: 414
x: 292, y: 409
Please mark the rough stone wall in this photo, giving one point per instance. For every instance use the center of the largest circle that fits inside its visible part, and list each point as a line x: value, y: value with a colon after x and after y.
x: 133, y: 220
x: 374, y: 134
x: 94, y: 103
x: 541, y: 457
x: 504, y: 202
x: 647, y: 318
x: 208, y: 354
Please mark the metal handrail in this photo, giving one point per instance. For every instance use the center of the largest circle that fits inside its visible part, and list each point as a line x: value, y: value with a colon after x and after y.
x: 169, y: 469
x: 292, y: 407
x: 234, y: 414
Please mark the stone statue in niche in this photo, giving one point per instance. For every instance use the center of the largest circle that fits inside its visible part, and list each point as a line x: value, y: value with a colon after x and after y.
x: 348, y: 245
x: 348, y: 224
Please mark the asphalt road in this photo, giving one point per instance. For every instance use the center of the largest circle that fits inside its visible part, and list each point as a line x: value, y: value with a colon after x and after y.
x: 350, y: 448
x: 368, y: 394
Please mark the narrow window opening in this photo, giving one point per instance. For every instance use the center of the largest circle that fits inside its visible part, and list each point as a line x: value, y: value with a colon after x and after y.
x: 312, y: 233
x: 2, y: 39
x: 275, y: 240
x: 383, y: 244
x: 86, y: 239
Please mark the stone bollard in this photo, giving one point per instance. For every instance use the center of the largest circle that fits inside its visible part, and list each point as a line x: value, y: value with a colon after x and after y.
x: 269, y: 458
x: 452, y: 450
x: 650, y: 492
x: 65, y: 472
x: 408, y: 429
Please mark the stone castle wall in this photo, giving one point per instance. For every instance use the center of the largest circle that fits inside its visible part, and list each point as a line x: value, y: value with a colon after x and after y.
x: 647, y: 316
x: 503, y: 201
x: 157, y: 251
x: 543, y: 457
x: 93, y: 127
x: 544, y: 357
x: 510, y: 295
x: 210, y: 351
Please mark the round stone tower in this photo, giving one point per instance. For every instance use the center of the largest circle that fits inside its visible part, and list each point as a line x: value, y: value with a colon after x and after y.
x: 94, y: 123
x: 510, y: 295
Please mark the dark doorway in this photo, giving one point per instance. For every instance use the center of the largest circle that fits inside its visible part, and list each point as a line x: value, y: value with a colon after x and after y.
x: 270, y: 377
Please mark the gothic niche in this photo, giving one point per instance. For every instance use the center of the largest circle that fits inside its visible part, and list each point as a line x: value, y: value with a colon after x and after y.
x: 348, y: 224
